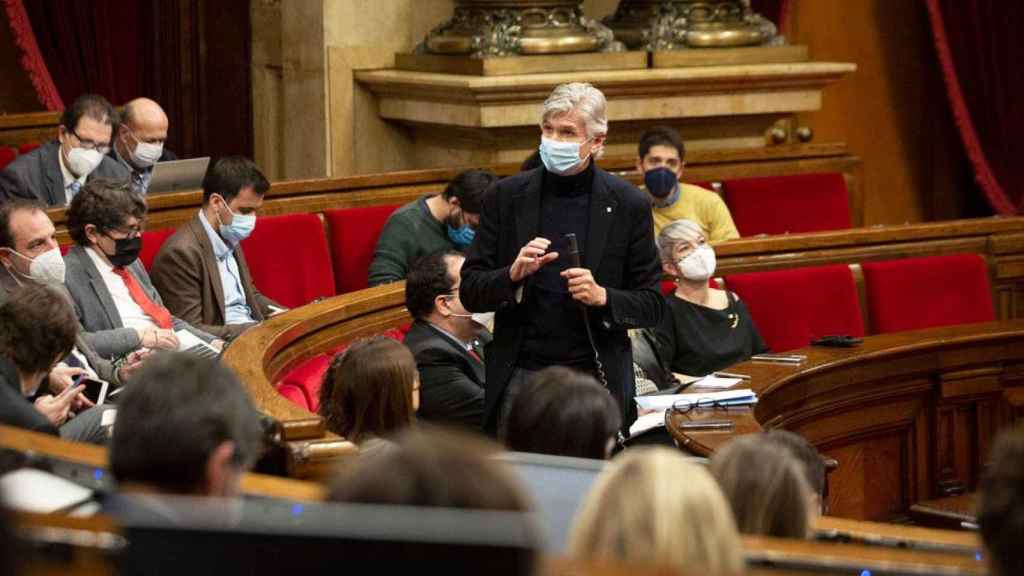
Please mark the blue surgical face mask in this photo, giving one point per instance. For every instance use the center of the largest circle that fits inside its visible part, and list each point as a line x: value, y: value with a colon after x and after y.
x: 660, y: 182
x: 560, y: 157
x: 461, y: 237
x: 239, y: 229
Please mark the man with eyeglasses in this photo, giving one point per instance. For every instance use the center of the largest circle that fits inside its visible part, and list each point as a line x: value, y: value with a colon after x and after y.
x: 140, y: 140
x: 109, y: 285
x: 55, y: 172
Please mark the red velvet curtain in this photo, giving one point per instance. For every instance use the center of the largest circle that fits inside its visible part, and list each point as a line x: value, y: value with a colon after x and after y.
x: 979, y: 47
x: 191, y: 56
x: 92, y: 46
x: 31, y: 58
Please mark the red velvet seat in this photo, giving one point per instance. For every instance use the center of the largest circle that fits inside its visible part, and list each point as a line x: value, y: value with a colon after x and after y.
x: 7, y: 155
x: 309, y: 376
x: 353, y: 237
x: 152, y: 240
x: 28, y: 147
x: 924, y: 292
x: 288, y: 259
x: 794, y: 204
x: 791, y: 307
x: 294, y: 394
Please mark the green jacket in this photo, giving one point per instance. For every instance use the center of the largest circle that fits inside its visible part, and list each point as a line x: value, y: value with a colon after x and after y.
x: 409, y: 234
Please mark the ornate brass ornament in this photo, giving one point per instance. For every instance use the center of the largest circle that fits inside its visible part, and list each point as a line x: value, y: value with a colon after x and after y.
x: 660, y: 25
x: 486, y: 28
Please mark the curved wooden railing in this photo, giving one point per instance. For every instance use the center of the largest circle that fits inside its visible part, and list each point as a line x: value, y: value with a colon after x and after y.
x: 908, y: 415
x: 266, y: 352
x: 316, y: 195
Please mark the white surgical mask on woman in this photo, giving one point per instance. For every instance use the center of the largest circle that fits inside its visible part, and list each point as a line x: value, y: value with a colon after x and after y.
x: 698, y: 265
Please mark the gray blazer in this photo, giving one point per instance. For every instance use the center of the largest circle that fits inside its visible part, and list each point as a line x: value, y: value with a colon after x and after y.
x: 97, y: 311
x: 37, y: 175
x: 103, y: 368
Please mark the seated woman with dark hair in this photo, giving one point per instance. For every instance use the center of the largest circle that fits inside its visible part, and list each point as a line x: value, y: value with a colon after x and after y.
x: 563, y: 412
x: 370, y: 391
x: 705, y: 329
x: 766, y: 487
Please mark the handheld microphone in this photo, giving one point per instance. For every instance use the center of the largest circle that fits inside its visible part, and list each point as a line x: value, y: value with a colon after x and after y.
x: 574, y: 260
x: 574, y: 250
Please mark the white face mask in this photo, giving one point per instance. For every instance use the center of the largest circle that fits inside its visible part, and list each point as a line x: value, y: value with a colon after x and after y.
x: 485, y: 319
x: 146, y: 154
x: 82, y: 162
x: 47, y: 268
x: 698, y: 265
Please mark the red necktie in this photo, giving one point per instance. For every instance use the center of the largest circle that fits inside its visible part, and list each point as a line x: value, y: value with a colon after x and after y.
x: 158, y: 313
x: 475, y: 355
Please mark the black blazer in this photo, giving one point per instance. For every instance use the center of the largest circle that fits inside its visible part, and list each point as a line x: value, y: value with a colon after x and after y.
x: 451, y: 380
x: 619, y: 251
x: 37, y: 175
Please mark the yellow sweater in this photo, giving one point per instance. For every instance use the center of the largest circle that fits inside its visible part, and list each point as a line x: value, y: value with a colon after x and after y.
x: 703, y: 207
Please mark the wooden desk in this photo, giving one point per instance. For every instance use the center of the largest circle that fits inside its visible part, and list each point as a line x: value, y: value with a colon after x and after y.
x: 89, y: 458
x: 951, y: 512
x: 909, y: 416
x: 94, y: 543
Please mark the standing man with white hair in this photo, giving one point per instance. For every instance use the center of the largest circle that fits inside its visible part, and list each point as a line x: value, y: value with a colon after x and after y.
x: 551, y: 310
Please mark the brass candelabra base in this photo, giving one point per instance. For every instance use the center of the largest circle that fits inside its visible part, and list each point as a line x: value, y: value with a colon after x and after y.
x: 662, y: 25
x: 486, y: 28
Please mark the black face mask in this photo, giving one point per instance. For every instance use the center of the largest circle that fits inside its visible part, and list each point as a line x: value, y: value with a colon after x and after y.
x: 126, y: 251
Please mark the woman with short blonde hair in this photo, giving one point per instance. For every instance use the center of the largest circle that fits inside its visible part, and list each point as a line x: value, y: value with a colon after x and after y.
x: 652, y: 505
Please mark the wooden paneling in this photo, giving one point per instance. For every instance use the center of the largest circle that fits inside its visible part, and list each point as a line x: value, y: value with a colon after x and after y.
x: 909, y: 416
x: 893, y: 111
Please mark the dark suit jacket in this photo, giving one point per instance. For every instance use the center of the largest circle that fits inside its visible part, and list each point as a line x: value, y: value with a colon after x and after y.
x: 619, y: 251
x: 37, y: 175
x: 451, y: 380
x: 15, y: 409
x: 95, y: 306
x: 185, y: 273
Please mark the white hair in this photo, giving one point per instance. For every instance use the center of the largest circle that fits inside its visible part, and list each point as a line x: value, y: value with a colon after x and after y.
x: 676, y: 233
x: 585, y: 99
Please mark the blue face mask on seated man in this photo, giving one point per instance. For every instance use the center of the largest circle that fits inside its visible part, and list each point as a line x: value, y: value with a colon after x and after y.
x: 660, y: 182
x: 560, y: 157
x: 462, y: 237
x: 239, y: 229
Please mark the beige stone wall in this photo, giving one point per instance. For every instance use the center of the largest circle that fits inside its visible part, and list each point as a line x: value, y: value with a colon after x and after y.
x: 311, y: 118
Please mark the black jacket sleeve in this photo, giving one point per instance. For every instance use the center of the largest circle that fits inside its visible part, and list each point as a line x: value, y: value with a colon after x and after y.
x: 640, y: 303
x: 486, y: 284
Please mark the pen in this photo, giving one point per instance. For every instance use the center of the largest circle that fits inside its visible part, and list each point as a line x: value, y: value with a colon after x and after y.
x: 731, y: 375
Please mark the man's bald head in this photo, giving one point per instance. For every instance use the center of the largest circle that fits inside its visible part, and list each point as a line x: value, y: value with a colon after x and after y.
x: 141, y: 136
x: 146, y: 120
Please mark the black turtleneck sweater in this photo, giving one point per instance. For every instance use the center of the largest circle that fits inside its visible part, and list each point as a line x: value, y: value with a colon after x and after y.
x: 554, y: 325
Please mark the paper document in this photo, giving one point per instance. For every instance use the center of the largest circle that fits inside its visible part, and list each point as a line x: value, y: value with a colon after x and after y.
x: 189, y: 342
x: 726, y: 397
x: 716, y: 382
x: 31, y: 490
x: 647, y: 422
